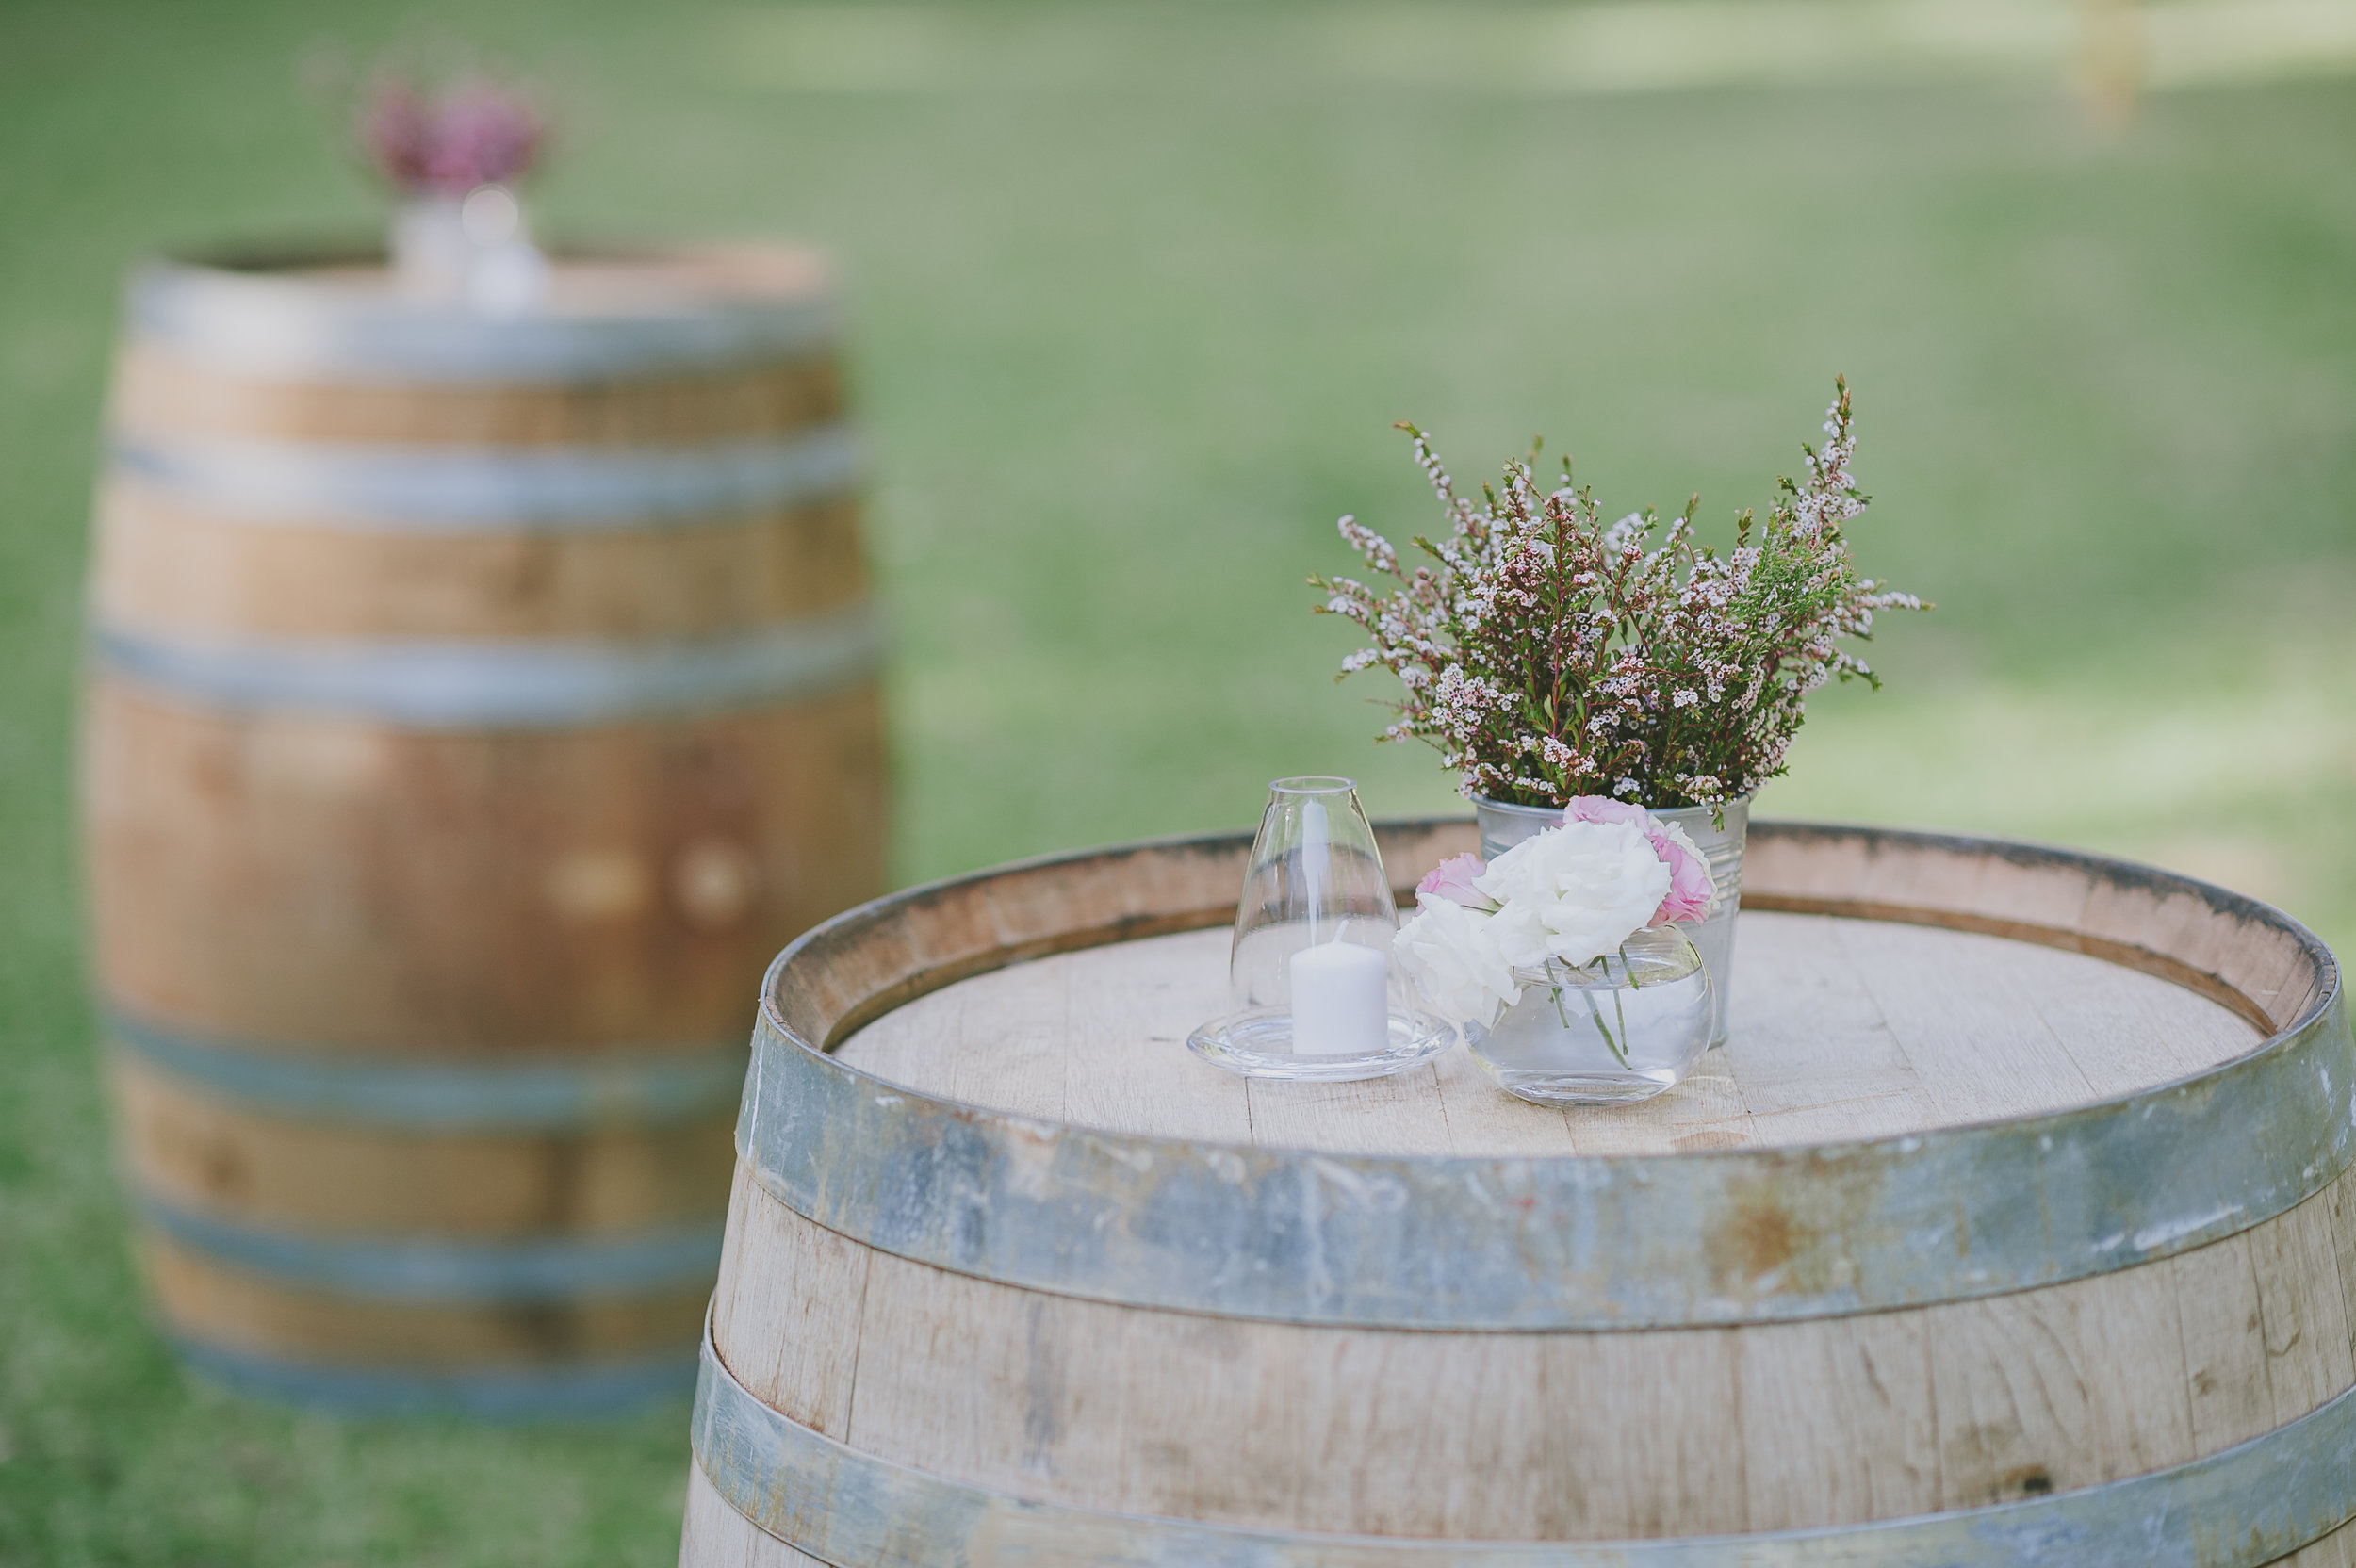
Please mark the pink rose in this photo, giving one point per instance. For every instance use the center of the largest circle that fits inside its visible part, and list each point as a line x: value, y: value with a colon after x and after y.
x: 1603, y: 809
x: 1692, y: 893
x: 1452, y: 880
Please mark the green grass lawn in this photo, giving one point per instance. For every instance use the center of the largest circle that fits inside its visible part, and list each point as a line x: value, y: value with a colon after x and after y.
x: 1127, y: 340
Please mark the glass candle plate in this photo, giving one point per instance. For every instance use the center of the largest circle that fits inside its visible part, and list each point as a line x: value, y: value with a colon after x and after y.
x: 1258, y: 1043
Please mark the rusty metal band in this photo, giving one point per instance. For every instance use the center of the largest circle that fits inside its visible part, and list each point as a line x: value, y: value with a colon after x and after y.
x: 459, y: 490
x: 275, y: 324
x: 1580, y: 1243
x: 428, y: 683
x: 537, y: 1091
x: 2247, y: 1505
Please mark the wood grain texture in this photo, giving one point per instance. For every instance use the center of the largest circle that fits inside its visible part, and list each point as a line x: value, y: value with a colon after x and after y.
x: 792, y: 1299
x: 1842, y: 1029
x: 334, y: 884
x: 2154, y: 922
x: 159, y: 392
x: 205, y: 1154
x: 231, y: 1309
x: 167, y: 568
x: 1537, y: 1436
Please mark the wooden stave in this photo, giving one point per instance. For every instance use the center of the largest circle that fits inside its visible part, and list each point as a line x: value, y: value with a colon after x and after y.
x: 2333, y: 1263
x: 2232, y: 1506
x: 613, y: 391
x: 371, y: 1355
x: 273, y: 795
x: 195, y: 1149
x: 158, y: 388
x: 1638, y: 1434
x: 543, y: 1388
x: 174, y: 572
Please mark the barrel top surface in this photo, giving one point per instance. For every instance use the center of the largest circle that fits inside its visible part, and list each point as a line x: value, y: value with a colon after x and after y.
x: 1961, y: 1066
x: 610, y: 314
x: 610, y: 284
x: 1842, y: 1029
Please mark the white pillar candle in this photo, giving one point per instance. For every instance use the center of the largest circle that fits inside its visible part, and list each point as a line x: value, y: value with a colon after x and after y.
x: 1340, y: 1000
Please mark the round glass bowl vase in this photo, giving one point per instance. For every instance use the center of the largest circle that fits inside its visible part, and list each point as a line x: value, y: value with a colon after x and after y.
x: 1627, y: 1027
x: 1316, y: 993
x: 1719, y: 833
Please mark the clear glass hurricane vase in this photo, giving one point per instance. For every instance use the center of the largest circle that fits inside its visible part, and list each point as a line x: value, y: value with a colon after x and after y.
x: 1311, y: 979
x: 1626, y: 1027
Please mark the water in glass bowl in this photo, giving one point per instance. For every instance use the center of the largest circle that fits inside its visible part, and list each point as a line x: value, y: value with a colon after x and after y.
x: 1625, y: 1028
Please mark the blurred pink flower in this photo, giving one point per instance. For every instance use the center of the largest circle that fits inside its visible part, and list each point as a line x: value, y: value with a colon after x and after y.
x: 473, y: 132
x: 398, y: 133
x: 483, y: 135
x: 1452, y: 880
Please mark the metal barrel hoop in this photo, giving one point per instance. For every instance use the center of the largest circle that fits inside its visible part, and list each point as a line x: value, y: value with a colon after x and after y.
x: 429, y: 683
x: 537, y: 1091
x: 270, y: 324
x: 460, y: 490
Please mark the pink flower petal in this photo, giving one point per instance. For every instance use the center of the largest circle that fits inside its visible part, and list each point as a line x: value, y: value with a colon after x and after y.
x: 1452, y: 880
x: 1602, y: 809
x: 1690, y: 887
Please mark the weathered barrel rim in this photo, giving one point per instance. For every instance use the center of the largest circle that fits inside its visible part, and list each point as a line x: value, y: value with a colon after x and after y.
x: 2245, y: 1506
x: 204, y: 305
x: 1447, y: 1243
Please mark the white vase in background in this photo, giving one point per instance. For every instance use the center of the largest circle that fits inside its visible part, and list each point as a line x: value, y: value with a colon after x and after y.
x: 472, y: 252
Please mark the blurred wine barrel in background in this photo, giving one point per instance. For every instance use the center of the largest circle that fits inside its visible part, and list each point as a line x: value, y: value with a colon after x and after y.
x: 474, y: 707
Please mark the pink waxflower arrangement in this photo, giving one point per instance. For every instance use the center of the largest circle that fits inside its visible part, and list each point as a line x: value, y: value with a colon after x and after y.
x: 1571, y: 895
x: 1550, y: 656
x: 470, y: 132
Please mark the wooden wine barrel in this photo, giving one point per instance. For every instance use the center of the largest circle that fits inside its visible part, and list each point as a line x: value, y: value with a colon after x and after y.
x: 474, y: 707
x: 2013, y: 1226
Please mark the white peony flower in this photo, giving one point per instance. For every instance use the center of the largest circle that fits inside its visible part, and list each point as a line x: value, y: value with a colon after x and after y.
x: 1574, y: 893
x: 1447, y: 950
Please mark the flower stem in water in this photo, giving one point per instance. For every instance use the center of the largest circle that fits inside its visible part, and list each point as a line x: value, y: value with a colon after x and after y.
x: 1618, y: 1054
